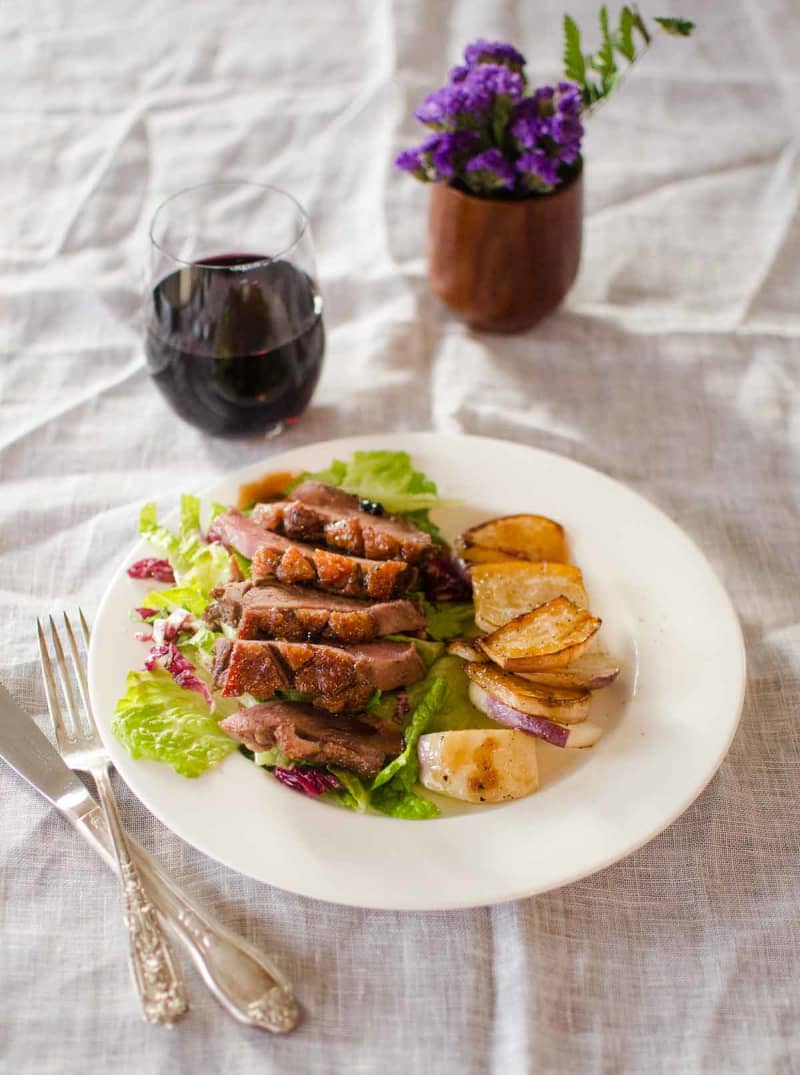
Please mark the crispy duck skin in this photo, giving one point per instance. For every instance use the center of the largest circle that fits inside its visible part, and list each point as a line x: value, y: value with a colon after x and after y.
x: 335, y: 678
x: 277, y: 558
x: 300, y: 614
x: 320, y: 514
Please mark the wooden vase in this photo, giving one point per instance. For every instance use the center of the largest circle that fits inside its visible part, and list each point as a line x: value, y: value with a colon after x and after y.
x: 504, y: 265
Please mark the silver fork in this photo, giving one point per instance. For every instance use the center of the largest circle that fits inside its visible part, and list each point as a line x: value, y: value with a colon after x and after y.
x: 155, y: 971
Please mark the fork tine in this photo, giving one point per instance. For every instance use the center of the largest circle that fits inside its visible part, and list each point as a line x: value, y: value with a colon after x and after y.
x: 83, y: 688
x: 51, y: 694
x: 66, y: 682
x: 86, y: 632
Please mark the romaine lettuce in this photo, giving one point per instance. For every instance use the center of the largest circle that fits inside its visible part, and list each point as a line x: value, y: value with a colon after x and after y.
x: 198, y: 566
x: 389, y: 478
x: 390, y: 791
x: 159, y: 720
x: 449, y: 619
x: 458, y: 711
x: 353, y: 794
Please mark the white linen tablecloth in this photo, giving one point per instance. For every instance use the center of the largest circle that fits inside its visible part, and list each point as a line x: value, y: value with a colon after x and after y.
x: 673, y: 366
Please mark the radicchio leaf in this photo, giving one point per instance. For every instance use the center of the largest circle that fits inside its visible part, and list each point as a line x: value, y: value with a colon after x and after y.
x: 179, y: 667
x: 312, y: 782
x: 152, y: 568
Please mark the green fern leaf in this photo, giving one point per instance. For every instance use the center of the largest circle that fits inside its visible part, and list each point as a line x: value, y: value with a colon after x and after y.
x: 625, y: 43
x: 676, y: 27
x: 574, y: 62
x: 639, y: 24
x: 603, y: 60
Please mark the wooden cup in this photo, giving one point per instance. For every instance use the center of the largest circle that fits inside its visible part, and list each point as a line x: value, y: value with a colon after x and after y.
x: 504, y: 265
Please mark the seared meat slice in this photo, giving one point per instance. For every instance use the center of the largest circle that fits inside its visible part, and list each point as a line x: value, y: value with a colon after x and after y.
x: 326, y: 496
x: 335, y: 678
x: 239, y: 532
x: 291, y: 562
x: 361, y: 743
x: 321, y: 514
x: 275, y: 557
x: 227, y: 604
x: 300, y: 614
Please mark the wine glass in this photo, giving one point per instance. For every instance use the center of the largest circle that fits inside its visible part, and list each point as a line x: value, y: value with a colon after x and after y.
x: 234, y: 315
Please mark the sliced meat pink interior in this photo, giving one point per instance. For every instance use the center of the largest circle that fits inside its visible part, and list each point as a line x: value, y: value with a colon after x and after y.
x: 362, y: 744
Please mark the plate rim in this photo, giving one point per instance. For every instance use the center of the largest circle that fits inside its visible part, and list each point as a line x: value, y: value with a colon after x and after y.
x: 377, y: 441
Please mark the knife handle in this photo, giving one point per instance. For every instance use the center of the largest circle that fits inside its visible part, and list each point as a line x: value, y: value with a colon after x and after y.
x: 244, y: 982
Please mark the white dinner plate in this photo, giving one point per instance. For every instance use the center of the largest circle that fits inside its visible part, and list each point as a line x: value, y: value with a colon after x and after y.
x: 669, y: 719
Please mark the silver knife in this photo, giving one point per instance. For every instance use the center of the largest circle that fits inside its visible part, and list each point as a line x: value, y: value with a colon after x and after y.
x: 244, y: 982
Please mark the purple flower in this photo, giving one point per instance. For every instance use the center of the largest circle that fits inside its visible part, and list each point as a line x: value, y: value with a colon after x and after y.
x: 570, y: 98
x: 417, y: 159
x: 410, y: 160
x: 538, y: 171
x: 490, y: 171
x: 496, y: 52
x: 530, y: 130
x: 459, y: 73
x: 450, y: 151
x: 547, y: 128
x: 438, y: 156
x: 486, y: 82
x: 444, y: 107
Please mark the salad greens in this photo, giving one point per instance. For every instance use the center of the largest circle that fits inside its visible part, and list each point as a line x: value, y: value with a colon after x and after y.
x: 390, y: 791
x: 159, y: 719
x: 197, y: 565
x: 387, y: 478
x: 449, y: 619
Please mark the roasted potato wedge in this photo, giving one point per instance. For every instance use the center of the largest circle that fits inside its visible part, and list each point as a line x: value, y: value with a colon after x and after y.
x: 590, y: 671
x: 532, y: 536
x: 503, y: 591
x: 479, y: 765
x: 466, y: 649
x: 578, y: 736
x: 550, y: 636
x: 479, y: 554
x: 561, y: 704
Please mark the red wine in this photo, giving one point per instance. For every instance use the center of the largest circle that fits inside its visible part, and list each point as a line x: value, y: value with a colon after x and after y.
x: 236, y: 343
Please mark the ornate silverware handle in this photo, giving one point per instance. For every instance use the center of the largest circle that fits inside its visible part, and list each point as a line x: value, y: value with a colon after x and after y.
x: 158, y: 979
x: 243, y: 980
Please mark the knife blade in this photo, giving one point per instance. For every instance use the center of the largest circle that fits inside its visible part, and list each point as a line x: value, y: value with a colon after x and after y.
x: 31, y: 754
x: 244, y: 981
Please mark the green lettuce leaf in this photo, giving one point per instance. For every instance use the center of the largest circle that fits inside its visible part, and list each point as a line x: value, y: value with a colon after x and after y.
x: 391, y: 789
x: 199, y: 647
x: 243, y: 563
x: 158, y: 720
x: 458, y: 711
x: 198, y: 567
x: 449, y: 619
x: 396, y: 800
x: 273, y: 757
x: 388, y: 478
x: 193, y: 600
x: 353, y: 794
x: 428, y: 651
x: 293, y: 696
x: 424, y: 711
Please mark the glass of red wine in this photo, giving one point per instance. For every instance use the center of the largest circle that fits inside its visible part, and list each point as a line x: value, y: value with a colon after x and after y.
x: 234, y: 315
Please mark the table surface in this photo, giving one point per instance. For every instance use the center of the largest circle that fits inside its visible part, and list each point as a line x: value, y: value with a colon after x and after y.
x: 673, y: 366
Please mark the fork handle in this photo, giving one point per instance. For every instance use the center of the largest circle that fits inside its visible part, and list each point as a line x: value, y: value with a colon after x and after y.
x: 248, y: 985
x: 155, y: 971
